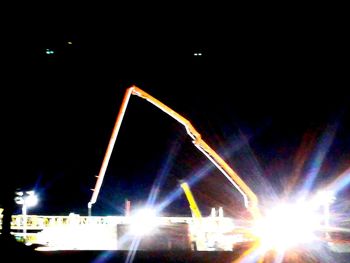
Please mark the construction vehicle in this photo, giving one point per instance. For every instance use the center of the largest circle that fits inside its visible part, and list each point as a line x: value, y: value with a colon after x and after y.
x: 268, y: 223
x: 205, y: 233
x: 209, y: 227
x: 249, y: 198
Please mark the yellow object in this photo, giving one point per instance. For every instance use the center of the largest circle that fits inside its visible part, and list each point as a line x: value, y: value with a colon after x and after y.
x: 193, y: 205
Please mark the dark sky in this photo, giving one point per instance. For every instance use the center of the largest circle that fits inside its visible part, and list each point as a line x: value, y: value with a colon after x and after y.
x: 265, y: 94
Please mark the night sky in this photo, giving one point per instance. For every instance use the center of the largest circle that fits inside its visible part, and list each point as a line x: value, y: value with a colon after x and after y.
x: 268, y: 95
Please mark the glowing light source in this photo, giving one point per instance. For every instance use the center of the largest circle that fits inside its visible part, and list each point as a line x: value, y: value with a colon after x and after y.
x: 143, y: 222
x: 288, y: 225
x: 325, y: 197
x: 27, y: 198
x: 49, y: 51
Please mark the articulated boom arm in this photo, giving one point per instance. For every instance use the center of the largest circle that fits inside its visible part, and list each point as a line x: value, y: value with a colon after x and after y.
x: 250, y: 199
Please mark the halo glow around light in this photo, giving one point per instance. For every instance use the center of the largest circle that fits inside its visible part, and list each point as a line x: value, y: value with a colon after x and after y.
x: 288, y: 225
x: 143, y: 222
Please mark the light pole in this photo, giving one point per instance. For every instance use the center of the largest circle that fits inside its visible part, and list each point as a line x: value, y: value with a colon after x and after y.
x: 26, y: 199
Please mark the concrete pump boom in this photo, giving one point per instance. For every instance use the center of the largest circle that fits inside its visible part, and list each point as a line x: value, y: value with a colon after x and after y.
x: 250, y: 199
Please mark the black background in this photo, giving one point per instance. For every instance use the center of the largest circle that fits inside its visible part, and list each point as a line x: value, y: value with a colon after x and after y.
x: 268, y: 86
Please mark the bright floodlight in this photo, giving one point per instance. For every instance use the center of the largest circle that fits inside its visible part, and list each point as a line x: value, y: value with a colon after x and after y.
x: 31, y: 199
x: 27, y: 198
x: 287, y: 226
x: 325, y: 197
x: 143, y: 222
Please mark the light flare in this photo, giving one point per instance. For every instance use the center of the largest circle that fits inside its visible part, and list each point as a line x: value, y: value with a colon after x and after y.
x: 143, y: 222
x: 288, y: 225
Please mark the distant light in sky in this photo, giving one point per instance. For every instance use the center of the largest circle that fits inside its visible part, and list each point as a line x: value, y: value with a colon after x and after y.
x: 69, y: 42
x: 49, y: 51
x: 197, y: 54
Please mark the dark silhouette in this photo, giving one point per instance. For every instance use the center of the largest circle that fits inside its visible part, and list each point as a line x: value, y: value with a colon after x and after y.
x: 8, y: 204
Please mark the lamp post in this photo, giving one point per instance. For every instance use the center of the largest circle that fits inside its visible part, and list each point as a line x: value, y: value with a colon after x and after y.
x: 26, y: 199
